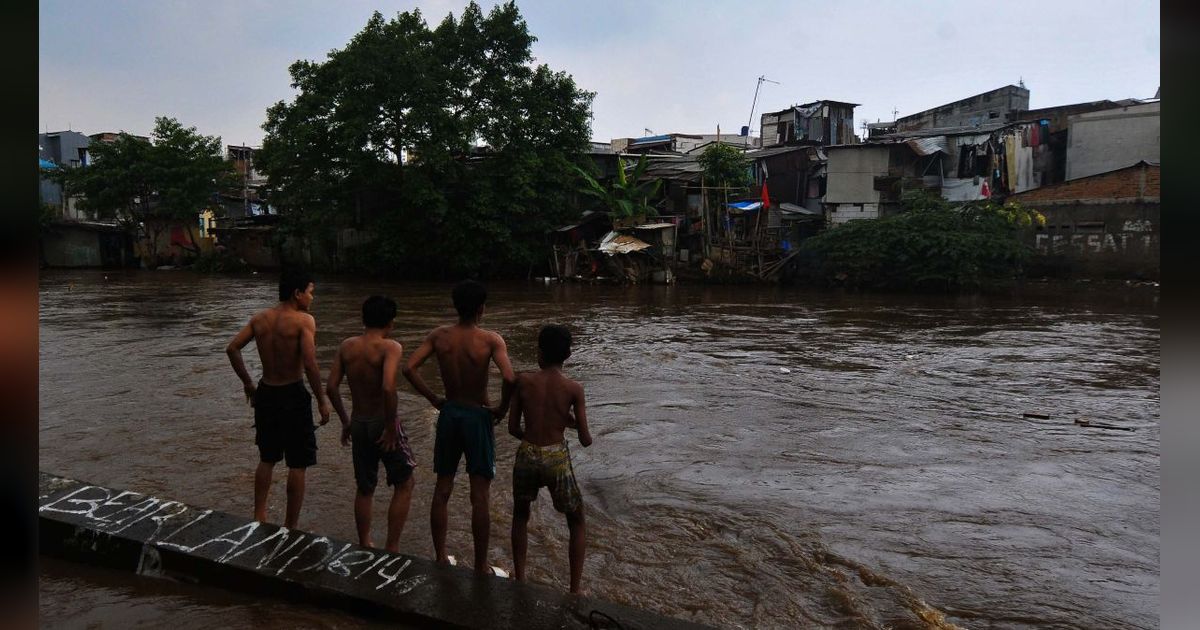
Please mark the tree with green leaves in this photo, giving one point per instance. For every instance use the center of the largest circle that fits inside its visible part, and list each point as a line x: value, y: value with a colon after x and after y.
x: 627, y: 196
x: 725, y: 168
x: 447, y: 143
x: 173, y: 176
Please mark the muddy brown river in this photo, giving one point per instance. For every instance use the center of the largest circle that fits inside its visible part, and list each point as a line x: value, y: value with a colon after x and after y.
x: 764, y: 457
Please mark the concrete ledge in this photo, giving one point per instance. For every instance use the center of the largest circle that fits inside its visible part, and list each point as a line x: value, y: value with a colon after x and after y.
x: 151, y: 536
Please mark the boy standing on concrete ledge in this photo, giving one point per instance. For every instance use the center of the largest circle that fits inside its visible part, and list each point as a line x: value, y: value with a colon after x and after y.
x: 285, y: 337
x: 466, y: 418
x: 546, y: 399
x: 370, y: 362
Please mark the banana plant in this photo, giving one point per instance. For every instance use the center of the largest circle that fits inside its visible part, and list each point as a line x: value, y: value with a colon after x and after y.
x: 625, y: 197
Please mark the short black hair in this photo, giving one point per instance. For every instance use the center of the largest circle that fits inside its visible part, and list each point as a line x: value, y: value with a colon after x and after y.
x: 555, y: 343
x: 291, y: 280
x: 378, y: 311
x: 468, y: 296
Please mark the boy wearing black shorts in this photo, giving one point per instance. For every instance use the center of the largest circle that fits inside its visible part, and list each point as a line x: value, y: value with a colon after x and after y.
x: 370, y: 362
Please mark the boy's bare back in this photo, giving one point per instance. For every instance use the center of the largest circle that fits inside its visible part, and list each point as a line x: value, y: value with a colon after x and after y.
x: 550, y: 403
x: 279, y: 336
x: 363, y: 360
x: 463, y: 354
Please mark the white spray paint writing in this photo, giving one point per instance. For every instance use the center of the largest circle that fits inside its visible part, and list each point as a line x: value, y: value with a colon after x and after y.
x: 113, y: 512
x: 1094, y: 243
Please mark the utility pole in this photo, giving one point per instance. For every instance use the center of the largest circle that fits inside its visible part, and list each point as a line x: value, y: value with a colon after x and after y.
x: 894, y: 113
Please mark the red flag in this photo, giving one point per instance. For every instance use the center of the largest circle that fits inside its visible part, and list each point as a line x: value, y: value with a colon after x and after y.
x: 766, y: 201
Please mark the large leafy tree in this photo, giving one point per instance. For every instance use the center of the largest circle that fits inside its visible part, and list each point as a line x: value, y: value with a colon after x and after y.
x: 172, y: 176
x: 448, y: 143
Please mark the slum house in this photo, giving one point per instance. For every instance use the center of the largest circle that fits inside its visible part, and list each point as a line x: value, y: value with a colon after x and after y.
x: 250, y: 240
x: 650, y: 250
x: 995, y: 109
x: 990, y: 159
x: 641, y: 253
x: 867, y: 181
x: 573, y: 248
x: 1103, y: 224
x: 821, y: 122
x: 791, y: 181
x: 245, y: 198
x: 678, y: 143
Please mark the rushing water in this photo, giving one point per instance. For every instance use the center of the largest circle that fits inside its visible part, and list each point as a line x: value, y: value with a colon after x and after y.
x: 763, y: 457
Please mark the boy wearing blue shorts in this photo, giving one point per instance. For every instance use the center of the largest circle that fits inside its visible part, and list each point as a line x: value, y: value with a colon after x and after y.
x: 466, y: 417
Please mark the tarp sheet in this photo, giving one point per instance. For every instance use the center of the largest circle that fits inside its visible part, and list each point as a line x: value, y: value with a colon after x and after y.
x: 614, y: 243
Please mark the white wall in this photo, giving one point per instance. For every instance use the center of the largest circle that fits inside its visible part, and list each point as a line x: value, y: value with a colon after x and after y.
x: 1103, y: 141
x: 852, y: 172
x: 842, y: 213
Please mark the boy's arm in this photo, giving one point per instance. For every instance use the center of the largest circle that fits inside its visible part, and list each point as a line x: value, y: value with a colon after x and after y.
x: 389, y: 441
x: 308, y: 352
x: 333, y: 392
x: 413, y: 376
x: 509, y: 382
x: 585, y: 436
x: 234, y: 352
x: 514, y: 415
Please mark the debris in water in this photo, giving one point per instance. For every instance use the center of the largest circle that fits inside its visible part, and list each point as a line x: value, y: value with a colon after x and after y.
x: 1039, y: 416
x: 785, y: 370
x: 1101, y: 425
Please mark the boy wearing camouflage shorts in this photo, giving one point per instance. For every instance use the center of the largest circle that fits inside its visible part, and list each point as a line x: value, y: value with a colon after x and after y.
x: 546, y: 400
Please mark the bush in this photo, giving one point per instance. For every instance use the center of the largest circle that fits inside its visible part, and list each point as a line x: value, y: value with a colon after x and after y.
x: 929, y: 245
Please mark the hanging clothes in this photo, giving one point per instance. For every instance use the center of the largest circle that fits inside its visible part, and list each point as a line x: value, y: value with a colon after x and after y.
x: 1033, y: 136
x: 1010, y: 161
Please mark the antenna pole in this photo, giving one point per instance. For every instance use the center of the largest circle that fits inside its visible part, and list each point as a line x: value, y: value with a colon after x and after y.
x: 750, y: 123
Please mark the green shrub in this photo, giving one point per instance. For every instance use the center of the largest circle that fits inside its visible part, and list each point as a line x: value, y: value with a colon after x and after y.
x: 931, y: 244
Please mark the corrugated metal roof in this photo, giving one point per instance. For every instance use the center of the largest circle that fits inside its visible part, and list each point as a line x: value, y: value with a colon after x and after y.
x: 927, y: 146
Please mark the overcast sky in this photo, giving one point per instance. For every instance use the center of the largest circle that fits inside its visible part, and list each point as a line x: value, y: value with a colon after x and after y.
x: 668, y: 66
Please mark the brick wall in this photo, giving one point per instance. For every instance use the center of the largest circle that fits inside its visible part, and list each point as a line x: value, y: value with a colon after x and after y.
x: 1122, y: 184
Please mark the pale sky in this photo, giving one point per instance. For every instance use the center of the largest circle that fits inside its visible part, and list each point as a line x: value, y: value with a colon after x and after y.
x: 670, y: 66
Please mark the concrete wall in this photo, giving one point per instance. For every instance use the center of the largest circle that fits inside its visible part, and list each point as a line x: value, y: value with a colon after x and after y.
x: 1116, y: 240
x: 993, y: 106
x: 68, y: 245
x: 253, y: 245
x: 72, y: 248
x: 1103, y: 141
x: 852, y: 173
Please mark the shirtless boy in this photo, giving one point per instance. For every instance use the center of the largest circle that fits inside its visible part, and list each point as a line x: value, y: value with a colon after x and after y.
x: 285, y: 336
x: 547, y: 399
x: 466, y: 418
x: 370, y: 362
